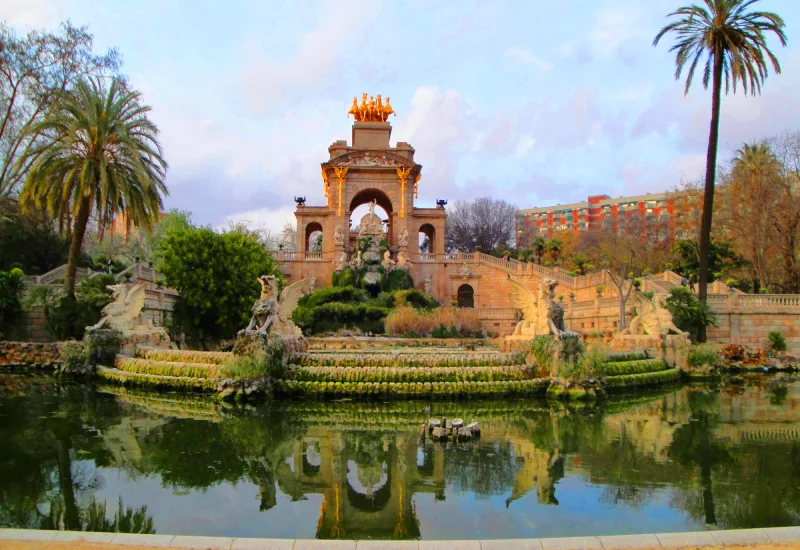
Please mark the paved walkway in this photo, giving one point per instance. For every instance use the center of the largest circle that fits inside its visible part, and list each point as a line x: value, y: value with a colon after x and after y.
x: 767, y: 539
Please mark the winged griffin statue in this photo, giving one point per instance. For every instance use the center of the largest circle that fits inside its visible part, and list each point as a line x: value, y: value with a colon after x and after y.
x: 653, y: 318
x: 271, y: 311
x: 541, y: 314
x: 125, y: 312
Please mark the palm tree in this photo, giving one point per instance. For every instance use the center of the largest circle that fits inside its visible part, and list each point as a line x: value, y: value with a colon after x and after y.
x: 734, y: 42
x: 555, y: 247
x: 99, y: 155
x: 539, y: 246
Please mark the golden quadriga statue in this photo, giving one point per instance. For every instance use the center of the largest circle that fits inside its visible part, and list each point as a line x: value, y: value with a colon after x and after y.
x: 371, y: 110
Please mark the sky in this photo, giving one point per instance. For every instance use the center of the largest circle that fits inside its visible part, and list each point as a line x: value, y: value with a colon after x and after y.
x: 536, y: 103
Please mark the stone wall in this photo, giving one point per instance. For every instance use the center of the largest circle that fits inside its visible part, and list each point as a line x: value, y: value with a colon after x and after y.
x: 29, y: 353
x: 158, y: 307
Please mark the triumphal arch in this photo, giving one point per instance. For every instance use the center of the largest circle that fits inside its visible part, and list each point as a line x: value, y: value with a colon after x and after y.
x: 369, y: 171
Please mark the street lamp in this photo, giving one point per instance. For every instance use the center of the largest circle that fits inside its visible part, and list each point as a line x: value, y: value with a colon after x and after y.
x: 301, y: 201
x: 441, y: 203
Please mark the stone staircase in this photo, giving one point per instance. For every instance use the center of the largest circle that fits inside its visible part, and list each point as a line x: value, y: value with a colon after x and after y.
x: 174, y: 369
x: 637, y: 369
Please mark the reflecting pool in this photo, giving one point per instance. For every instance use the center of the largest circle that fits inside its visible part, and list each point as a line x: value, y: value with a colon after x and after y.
x: 105, y: 458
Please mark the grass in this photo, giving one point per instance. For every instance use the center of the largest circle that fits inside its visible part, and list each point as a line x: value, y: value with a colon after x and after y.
x: 186, y: 356
x: 405, y: 321
x: 167, y: 368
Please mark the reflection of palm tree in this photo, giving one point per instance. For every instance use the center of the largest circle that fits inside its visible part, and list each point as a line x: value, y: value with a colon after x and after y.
x: 694, y: 445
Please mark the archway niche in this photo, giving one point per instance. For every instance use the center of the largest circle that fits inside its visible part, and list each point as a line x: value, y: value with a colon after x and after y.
x: 313, y: 237
x: 360, y: 206
x: 427, y: 239
x: 466, y: 296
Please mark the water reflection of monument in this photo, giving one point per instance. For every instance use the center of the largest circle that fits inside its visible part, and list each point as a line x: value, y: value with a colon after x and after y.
x: 368, y: 479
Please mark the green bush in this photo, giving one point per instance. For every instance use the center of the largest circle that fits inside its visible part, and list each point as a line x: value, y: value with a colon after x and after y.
x: 217, y: 277
x: 74, y: 356
x: 621, y: 356
x: 399, y: 279
x: 263, y: 365
x: 334, y: 316
x: 10, y: 305
x: 378, y: 390
x: 777, y: 341
x: 705, y: 354
x: 347, y: 294
x: 688, y: 313
x: 346, y: 277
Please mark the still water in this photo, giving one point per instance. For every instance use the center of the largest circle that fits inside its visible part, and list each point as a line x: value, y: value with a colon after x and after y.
x: 690, y: 458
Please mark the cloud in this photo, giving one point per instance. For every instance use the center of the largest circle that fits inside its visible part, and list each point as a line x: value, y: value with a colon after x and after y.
x: 265, y: 81
x: 525, y: 144
x: 272, y: 220
x: 528, y: 57
x: 436, y: 127
x: 30, y: 14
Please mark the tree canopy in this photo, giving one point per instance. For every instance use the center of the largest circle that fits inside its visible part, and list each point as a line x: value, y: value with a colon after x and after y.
x: 485, y: 222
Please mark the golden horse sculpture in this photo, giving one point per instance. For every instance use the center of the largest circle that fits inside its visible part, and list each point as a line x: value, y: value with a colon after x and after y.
x: 371, y: 110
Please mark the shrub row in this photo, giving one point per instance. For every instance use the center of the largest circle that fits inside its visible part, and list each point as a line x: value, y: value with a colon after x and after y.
x: 186, y: 356
x: 412, y: 389
x: 407, y: 360
x: 332, y: 316
x: 154, y: 381
x: 620, y: 356
x: 634, y: 367
x: 167, y: 368
x: 645, y: 379
x: 409, y: 374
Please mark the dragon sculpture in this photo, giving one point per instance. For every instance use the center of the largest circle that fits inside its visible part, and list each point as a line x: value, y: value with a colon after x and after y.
x: 541, y: 314
x: 125, y: 312
x: 652, y: 319
x: 272, y: 311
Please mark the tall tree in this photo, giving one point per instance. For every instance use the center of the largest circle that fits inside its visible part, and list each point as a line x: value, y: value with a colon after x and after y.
x: 485, y: 222
x: 733, y: 40
x: 98, y: 153
x: 34, y: 70
x: 787, y: 214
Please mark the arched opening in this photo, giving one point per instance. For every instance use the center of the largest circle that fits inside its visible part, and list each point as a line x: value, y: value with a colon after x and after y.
x: 427, y: 239
x: 466, y: 296
x: 359, y: 206
x: 312, y: 460
x: 313, y: 238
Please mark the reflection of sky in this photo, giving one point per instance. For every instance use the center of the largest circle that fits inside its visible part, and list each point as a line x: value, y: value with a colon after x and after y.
x: 233, y: 510
x: 220, y: 510
x: 580, y: 512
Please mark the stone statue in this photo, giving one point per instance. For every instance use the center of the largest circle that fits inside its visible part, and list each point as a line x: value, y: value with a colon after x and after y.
x: 338, y: 235
x: 402, y: 261
x: 404, y: 237
x: 653, y: 318
x: 125, y: 312
x: 271, y: 313
x: 464, y: 271
x: 340, y: 262
x: 428, y: 285
x: 356, y: 262
x: 387, y: 263
x: 542, y: 315
x: 312, y: 283
x: 371, y: 223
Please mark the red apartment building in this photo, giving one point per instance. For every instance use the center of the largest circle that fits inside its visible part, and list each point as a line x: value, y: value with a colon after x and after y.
x: 600, y: 212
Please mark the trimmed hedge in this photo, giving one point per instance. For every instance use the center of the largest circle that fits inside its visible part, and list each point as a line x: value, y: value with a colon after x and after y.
x: 166, y: 368
x: 624, y: 356
x: 347, y: 294
x: 645, y: 379
x: 634, y: 367
x: 409, y: 374
x: 333, y: 316
x: 155, y: 381
x: 186, y: 356
x: 427, y: 360
x: 411, y: 389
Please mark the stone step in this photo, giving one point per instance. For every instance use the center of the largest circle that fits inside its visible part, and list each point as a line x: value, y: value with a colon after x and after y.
x: 150, y: 380
x: 167, y: 368
x: 410, y: 374
x: 465, y: 359
x: 185, y: 356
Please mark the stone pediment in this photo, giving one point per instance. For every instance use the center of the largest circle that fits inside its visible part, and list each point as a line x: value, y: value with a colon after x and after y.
x: 371, y: 159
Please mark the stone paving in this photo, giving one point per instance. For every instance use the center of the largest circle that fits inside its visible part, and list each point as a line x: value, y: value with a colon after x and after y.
x: 766, y: 539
